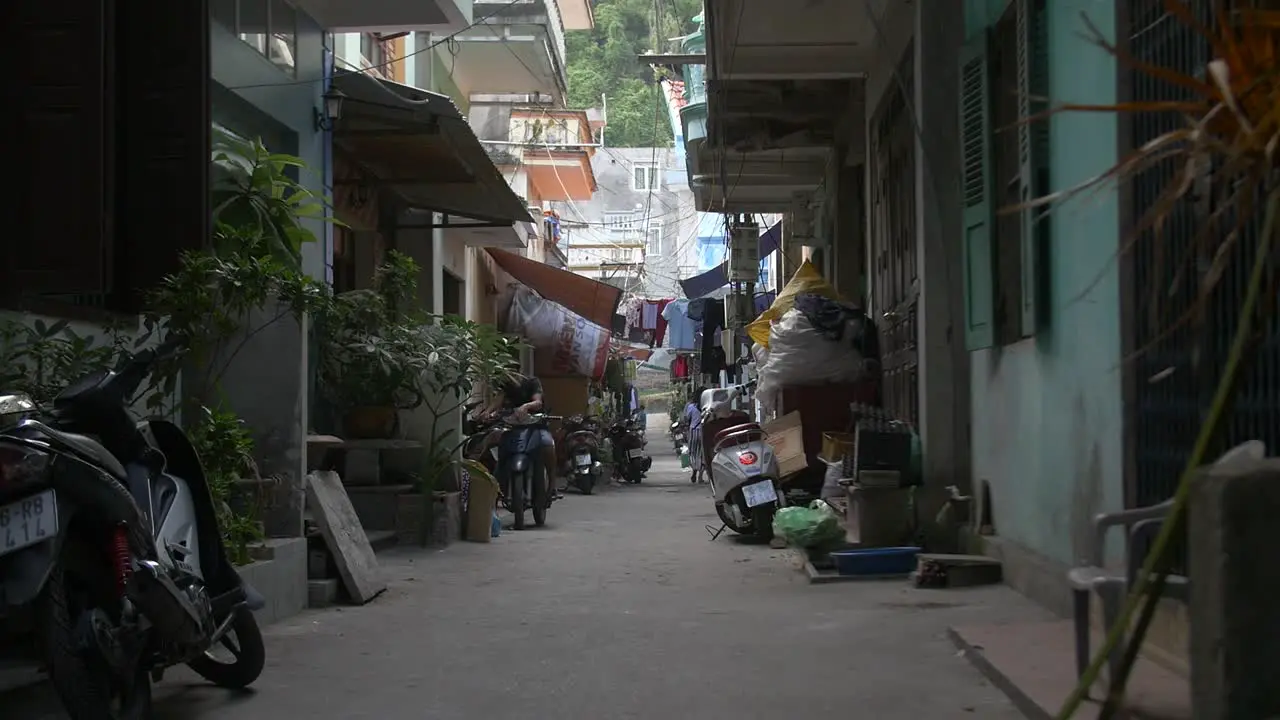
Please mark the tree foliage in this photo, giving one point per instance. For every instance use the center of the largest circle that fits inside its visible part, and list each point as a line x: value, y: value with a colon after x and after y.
x: 602, y: 61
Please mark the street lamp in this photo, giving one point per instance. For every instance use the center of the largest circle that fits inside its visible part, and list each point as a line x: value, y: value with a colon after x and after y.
x: 331, y: 109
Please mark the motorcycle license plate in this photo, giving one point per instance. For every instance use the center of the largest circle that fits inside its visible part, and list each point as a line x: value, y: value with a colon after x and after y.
x: 759, y: 493
x: 28, y: 521
x: 636, y: 453
x: 581, y: 460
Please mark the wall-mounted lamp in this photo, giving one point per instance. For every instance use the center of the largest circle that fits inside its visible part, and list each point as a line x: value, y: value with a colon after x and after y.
x: 331, y: 109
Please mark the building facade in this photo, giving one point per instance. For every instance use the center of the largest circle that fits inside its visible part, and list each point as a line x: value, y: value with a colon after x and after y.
x: 639, y: 229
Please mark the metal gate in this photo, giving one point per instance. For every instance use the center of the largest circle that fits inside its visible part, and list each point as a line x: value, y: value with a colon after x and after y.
x: 1172, y: 375
x: 895, y: 286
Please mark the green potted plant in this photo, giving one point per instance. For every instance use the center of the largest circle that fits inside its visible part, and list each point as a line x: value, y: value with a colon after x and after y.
x: 372, y: 354
x: 462, y: 357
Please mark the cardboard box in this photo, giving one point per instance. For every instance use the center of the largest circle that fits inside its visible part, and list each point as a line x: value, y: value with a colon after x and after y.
x: 786, y: 436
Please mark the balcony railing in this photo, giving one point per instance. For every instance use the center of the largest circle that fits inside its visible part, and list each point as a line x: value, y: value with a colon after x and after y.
x: 557, y: 30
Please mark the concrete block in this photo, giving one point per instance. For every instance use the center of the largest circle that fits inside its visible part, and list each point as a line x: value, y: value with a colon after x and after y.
x: 376, y: 505
x: 955, y: 571
x: 446, y: 519
x: 281, y: 580
x: 322, y: 593
x: 318, y: 565
x: 879, y: 517
x: 1235, y: 579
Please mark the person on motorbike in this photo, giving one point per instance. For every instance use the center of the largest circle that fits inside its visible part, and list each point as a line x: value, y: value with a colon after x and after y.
x: 523, y: 396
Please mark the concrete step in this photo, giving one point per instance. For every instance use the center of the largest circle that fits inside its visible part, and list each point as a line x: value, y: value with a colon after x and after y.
x: 382, y: 539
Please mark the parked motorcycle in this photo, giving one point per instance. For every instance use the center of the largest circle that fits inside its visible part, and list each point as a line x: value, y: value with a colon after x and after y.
x: 630, y: 462
x: 679, y: 434
x: 520, y: 471
x: 581, y: 444
x: 741, y: 466
x: 479, y: 438
x: 112, y: 567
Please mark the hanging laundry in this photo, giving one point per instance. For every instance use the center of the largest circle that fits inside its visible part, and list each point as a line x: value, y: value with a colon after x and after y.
x: 680, y: 366
x: 662, y: 323
x: 696, y: 309
x: 712, y: 323
x: 649, y: 315
x: 682, y: 328
x: 631, y: 311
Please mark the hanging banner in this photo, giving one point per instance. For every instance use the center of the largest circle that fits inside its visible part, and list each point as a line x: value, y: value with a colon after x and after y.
x: 565, y: 341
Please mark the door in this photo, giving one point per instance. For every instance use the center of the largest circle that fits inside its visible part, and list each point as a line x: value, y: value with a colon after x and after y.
x: 895, y: 284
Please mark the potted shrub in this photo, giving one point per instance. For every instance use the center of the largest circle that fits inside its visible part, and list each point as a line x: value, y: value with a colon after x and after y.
x: 371, y: 351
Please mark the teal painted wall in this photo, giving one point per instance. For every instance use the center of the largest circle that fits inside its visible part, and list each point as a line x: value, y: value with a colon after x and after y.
x: 253, y: 97
x: 1046, y: 424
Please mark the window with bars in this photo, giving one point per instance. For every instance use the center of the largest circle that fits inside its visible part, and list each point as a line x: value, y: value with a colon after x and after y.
x: 1004, y: 79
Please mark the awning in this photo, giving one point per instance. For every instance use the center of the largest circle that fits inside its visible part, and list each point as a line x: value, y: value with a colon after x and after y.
x: 716, y: 278
x: 419, y: 145
x: 589, y: 298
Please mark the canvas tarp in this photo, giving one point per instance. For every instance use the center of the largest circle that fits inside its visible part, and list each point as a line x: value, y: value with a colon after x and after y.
x: 591, y: 299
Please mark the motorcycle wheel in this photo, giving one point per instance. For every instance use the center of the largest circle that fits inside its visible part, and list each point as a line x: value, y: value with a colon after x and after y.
x: 728, y: 520
x: 244, y: 642
x: 541, y: 500
x: 86, y: 686
x: 517, y: 500
x: 587, y: 485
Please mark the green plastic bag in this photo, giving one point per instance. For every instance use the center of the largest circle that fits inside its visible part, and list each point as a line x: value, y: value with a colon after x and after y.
x: 808, y: 527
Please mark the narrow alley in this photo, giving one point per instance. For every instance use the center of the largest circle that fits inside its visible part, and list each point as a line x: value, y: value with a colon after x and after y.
x: 620, y: 608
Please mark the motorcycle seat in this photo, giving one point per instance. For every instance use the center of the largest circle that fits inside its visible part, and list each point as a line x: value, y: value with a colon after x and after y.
x: 751, y: 426
x: 88, y: 449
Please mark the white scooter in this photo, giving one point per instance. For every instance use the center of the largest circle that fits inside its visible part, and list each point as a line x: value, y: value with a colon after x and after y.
x: 743, y: 470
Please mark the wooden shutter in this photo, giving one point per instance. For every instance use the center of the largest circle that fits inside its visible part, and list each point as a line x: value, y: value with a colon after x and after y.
x: 164, y: 140
x: 57, y: 237
x: 976, y: 234
x: 1033, y: 158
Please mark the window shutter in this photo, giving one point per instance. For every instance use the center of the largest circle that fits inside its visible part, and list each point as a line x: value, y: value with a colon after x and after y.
x: 58, y: 241
x: 164, y: 131
x: 1033, y: 158
x: 975, y: 148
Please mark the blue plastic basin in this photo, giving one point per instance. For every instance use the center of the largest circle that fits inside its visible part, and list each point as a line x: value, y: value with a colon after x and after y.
x: 876, y: 561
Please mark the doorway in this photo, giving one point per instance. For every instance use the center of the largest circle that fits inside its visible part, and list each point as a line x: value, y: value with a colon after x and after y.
x: 454, y: 288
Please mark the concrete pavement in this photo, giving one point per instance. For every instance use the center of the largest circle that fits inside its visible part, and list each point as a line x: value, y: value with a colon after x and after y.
x: 621, y: 608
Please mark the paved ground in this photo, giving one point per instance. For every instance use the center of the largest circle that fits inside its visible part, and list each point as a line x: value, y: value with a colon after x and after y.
x: 620, y: 608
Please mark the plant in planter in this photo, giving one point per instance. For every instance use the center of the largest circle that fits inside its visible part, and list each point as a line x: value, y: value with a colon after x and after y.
x: 371, y: 352
x: 462, y: 356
